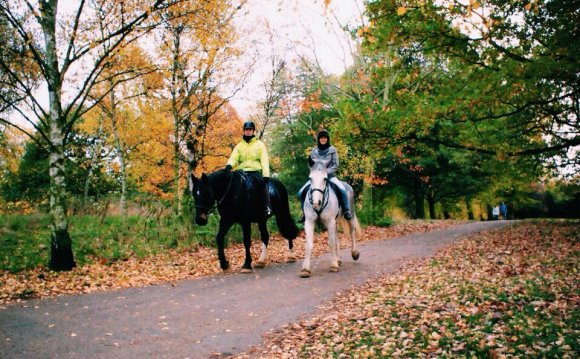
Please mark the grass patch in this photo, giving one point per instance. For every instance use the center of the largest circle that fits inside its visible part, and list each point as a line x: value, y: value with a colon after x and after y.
x: 25, y: 239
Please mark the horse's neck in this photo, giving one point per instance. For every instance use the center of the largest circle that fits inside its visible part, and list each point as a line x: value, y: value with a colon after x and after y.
x: 319, y: 174
x: 219, y: 182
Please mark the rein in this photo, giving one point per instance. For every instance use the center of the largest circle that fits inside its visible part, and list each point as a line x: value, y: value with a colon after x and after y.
x: 218, y: 203
x: 324, y: 197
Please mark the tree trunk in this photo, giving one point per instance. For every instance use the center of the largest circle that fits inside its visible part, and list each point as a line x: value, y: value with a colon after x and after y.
x: 95, y: 156
x: 61, y: 255
x: 418, y: 198
x: 489, y: 209
x: 431, y: 202
x: 176, y: 171
x: 469, y: 209
x: 120, y: 155
x: 178, y: 85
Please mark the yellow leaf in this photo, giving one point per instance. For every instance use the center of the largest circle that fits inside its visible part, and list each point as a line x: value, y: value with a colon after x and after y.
x: 401, y: 10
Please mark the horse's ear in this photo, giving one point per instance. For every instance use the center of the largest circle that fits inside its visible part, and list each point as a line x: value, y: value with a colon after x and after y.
x: 192, y: 182
x: 310, y: 161
x: 203, y: 177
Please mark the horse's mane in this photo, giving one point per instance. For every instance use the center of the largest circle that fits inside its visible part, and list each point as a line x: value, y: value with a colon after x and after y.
x: 319, y: 167
x: 219, y: 176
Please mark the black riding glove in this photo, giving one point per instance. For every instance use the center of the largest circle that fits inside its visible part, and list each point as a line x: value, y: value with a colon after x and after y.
x: 228, y: 168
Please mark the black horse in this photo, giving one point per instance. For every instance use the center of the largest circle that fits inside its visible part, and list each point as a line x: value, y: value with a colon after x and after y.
x: 238, y: 200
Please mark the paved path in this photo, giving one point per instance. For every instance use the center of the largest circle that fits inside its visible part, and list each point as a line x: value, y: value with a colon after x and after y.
x: 195, y: 318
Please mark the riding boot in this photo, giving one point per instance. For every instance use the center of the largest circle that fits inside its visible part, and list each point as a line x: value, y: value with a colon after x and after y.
x: 267, y: 205
x: 346, y: 205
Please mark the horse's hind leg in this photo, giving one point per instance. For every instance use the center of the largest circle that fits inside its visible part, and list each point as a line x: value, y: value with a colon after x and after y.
x: 247, y: 233
x: 353, y: 227
x: 334, y: 245
x: 261, y: 263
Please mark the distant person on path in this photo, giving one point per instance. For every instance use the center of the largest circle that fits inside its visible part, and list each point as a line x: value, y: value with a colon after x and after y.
x: 250, y: 155
x: 325, y: 152
x: 503, y: 211
x: 495, y: 213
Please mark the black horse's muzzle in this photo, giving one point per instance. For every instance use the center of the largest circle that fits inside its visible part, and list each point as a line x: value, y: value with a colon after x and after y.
x: 201, y: 217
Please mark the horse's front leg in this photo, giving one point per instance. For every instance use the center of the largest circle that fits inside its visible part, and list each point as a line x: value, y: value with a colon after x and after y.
x: 247, y: 233
x: 309, y: 234
x: 261, y: 263
x: 334, y: 244
x: 220, y: 239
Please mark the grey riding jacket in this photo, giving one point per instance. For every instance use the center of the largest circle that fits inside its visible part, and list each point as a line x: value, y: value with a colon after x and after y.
x: 328, y: 156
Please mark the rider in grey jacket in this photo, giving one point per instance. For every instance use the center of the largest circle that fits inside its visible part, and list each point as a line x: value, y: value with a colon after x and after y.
x: 325, y: 152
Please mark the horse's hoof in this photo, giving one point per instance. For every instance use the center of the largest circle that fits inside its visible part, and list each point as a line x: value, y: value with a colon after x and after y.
x: 291, y: 260
x: 246, y: 270
x: 259, y: 264
x: 339, y: 263
x: 305, y: 273
x: 225, y: 266
x: 334, y: 269
x: 355, y: 255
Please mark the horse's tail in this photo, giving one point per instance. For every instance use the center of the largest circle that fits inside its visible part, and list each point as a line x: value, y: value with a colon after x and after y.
x: 284, y: 219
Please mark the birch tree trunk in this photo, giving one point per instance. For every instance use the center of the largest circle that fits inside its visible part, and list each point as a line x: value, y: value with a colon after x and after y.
x: 61, y: 256
x: 95, y: 155
x: 119, y: 147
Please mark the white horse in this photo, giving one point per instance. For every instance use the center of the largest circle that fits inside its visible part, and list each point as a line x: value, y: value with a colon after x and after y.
x: 322, y: 206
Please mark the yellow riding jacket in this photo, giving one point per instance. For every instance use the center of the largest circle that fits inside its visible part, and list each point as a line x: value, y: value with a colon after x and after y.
x: 251, y: 156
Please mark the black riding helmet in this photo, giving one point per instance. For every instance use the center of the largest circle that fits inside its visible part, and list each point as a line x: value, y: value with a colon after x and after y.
x: 250, y: 125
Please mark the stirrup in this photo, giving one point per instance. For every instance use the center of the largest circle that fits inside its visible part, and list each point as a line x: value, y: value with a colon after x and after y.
x: 347, y: 215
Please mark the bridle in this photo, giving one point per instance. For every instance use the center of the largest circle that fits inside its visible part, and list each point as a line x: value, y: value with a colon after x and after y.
x: 210, y: 210
x: 324, y: 192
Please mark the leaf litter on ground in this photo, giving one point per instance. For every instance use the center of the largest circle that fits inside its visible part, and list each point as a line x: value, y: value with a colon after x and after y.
x: 173, y: 265
x: 507, y: 293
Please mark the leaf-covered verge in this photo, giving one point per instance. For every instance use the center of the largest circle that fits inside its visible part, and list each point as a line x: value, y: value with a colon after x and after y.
x: 172, y: 265
x: 509, y: 293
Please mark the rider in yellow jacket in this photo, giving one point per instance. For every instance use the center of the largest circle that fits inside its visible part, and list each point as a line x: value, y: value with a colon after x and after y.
x: 250, y: 155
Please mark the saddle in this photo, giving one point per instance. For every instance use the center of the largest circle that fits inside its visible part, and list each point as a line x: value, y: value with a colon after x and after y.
x: 252, y: 185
